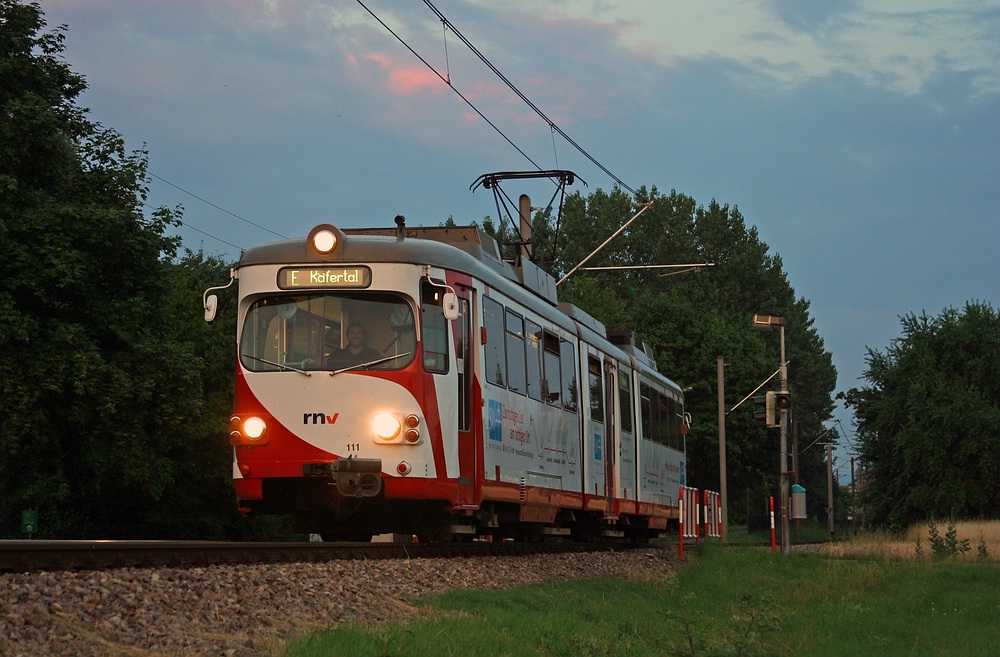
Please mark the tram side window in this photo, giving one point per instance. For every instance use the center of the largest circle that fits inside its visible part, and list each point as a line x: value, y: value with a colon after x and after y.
x: 625, y: 401
x: 596, y: 390
x: 496, y: 354
x: 660, y: 416
x: 567, y: 359
x: 673, y: 430
x: 533, y: 342
x: 646, y: 401
x: 515, y: 353
x: 663, y: 420
x: 434, y: 328
x: 552, y: 381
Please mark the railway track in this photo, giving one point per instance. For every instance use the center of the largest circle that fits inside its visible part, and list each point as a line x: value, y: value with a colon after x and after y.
x: 38, y: 555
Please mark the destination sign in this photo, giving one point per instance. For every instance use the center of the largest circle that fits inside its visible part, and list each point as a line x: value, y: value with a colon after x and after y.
x: 293, y: 278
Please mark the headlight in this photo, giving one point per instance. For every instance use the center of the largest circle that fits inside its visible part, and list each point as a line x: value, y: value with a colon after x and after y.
x: 254, y: 428
x: 247, y: 431
x: 386, y: 426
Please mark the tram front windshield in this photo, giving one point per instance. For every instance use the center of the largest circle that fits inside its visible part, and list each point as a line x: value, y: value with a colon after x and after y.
x: 328, y: 331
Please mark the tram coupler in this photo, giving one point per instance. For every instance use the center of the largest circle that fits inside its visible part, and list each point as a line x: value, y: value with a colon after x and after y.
x: 357, y: 477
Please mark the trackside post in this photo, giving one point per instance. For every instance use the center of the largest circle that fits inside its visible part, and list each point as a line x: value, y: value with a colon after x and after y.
x: 771, y: 501
x: 712, y: 519
x: 689, y: 512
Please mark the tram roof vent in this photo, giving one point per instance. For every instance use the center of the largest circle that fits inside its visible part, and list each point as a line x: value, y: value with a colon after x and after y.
x: 632, y: 345
x: 537, y: 280
x: 582, y: 317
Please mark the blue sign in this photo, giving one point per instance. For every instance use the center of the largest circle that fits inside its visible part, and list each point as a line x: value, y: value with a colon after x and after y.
x: 494, y: 420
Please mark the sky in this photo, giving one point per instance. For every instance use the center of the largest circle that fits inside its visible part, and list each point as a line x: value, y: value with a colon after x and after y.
x: 860, y: 137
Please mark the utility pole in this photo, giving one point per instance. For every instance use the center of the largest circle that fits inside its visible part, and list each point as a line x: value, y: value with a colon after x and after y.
x: 829, y: 487
x: 723, y: 489
x: 786, y: 544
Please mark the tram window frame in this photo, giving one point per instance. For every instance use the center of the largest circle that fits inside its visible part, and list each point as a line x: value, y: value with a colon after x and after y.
x: 595, y: 381
x: 514, y: 338
x: 551, y: 369
x: 434, y: 330
x: 495, y: 351
x: 567, y: 362
x: 533, y: 358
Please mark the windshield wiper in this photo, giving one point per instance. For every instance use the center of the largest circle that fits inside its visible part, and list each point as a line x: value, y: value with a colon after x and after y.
x: 278, y: 365
x: 371, y: 362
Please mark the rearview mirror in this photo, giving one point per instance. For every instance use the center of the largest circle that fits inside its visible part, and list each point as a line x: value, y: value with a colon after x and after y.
x: 449, y: 305
x: 211, y: 305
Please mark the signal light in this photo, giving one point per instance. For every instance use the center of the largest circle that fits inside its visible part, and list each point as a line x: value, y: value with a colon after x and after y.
x: 767, y: 414
x: 773, y: 403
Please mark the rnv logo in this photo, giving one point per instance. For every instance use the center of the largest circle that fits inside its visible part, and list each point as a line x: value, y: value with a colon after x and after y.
x: 319, y: 418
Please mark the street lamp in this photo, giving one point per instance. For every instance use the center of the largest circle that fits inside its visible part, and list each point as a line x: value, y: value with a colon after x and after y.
x: 767, y: 323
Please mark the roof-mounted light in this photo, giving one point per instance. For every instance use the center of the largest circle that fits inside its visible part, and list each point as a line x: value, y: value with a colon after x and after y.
x: 324, y: 240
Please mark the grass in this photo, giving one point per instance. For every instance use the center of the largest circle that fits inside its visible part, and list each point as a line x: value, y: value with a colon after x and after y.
x: 983, y: 540
x: 739, y: 602
x: 805, y: 530
x: 837, y: 607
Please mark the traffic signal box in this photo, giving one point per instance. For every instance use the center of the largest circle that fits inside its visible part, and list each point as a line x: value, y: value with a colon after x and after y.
x: 773, y: 403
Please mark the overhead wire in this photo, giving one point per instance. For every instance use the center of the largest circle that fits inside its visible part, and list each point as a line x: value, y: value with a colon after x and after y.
x: 448, y: 82
x: 221, y: 209
x: 188, y: 224
x: 446, y: 25
x: 523, y: 97
x: 198, y: 230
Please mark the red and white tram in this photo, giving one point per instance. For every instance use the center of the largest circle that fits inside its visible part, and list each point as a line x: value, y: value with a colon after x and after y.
x: 485, y: 408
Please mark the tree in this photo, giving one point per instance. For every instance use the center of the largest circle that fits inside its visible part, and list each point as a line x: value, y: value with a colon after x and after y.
x: 927, y: 422
x: 101, y: 397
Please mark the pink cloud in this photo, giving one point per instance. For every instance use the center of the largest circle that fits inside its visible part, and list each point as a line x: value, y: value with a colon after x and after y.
x: 412, y: 81
x: 398, y: 80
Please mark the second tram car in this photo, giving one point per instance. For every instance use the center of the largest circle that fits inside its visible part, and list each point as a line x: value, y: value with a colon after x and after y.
x: 472, y: 404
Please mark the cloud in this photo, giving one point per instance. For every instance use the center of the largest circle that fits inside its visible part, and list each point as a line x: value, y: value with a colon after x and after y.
x: 398, y: 80
x: 812, y: 16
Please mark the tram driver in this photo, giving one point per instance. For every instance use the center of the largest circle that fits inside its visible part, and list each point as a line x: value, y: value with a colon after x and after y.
x: 357, y: 351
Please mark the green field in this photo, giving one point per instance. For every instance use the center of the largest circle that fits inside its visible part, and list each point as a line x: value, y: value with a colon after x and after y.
x: 724, y: 601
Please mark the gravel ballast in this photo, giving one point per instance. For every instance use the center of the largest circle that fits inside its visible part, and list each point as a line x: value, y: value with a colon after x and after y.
x: 251, y: 610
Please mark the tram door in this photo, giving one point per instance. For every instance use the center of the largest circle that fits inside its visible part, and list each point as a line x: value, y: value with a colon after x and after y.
x: 612, y: 438
x: 467, y: 443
